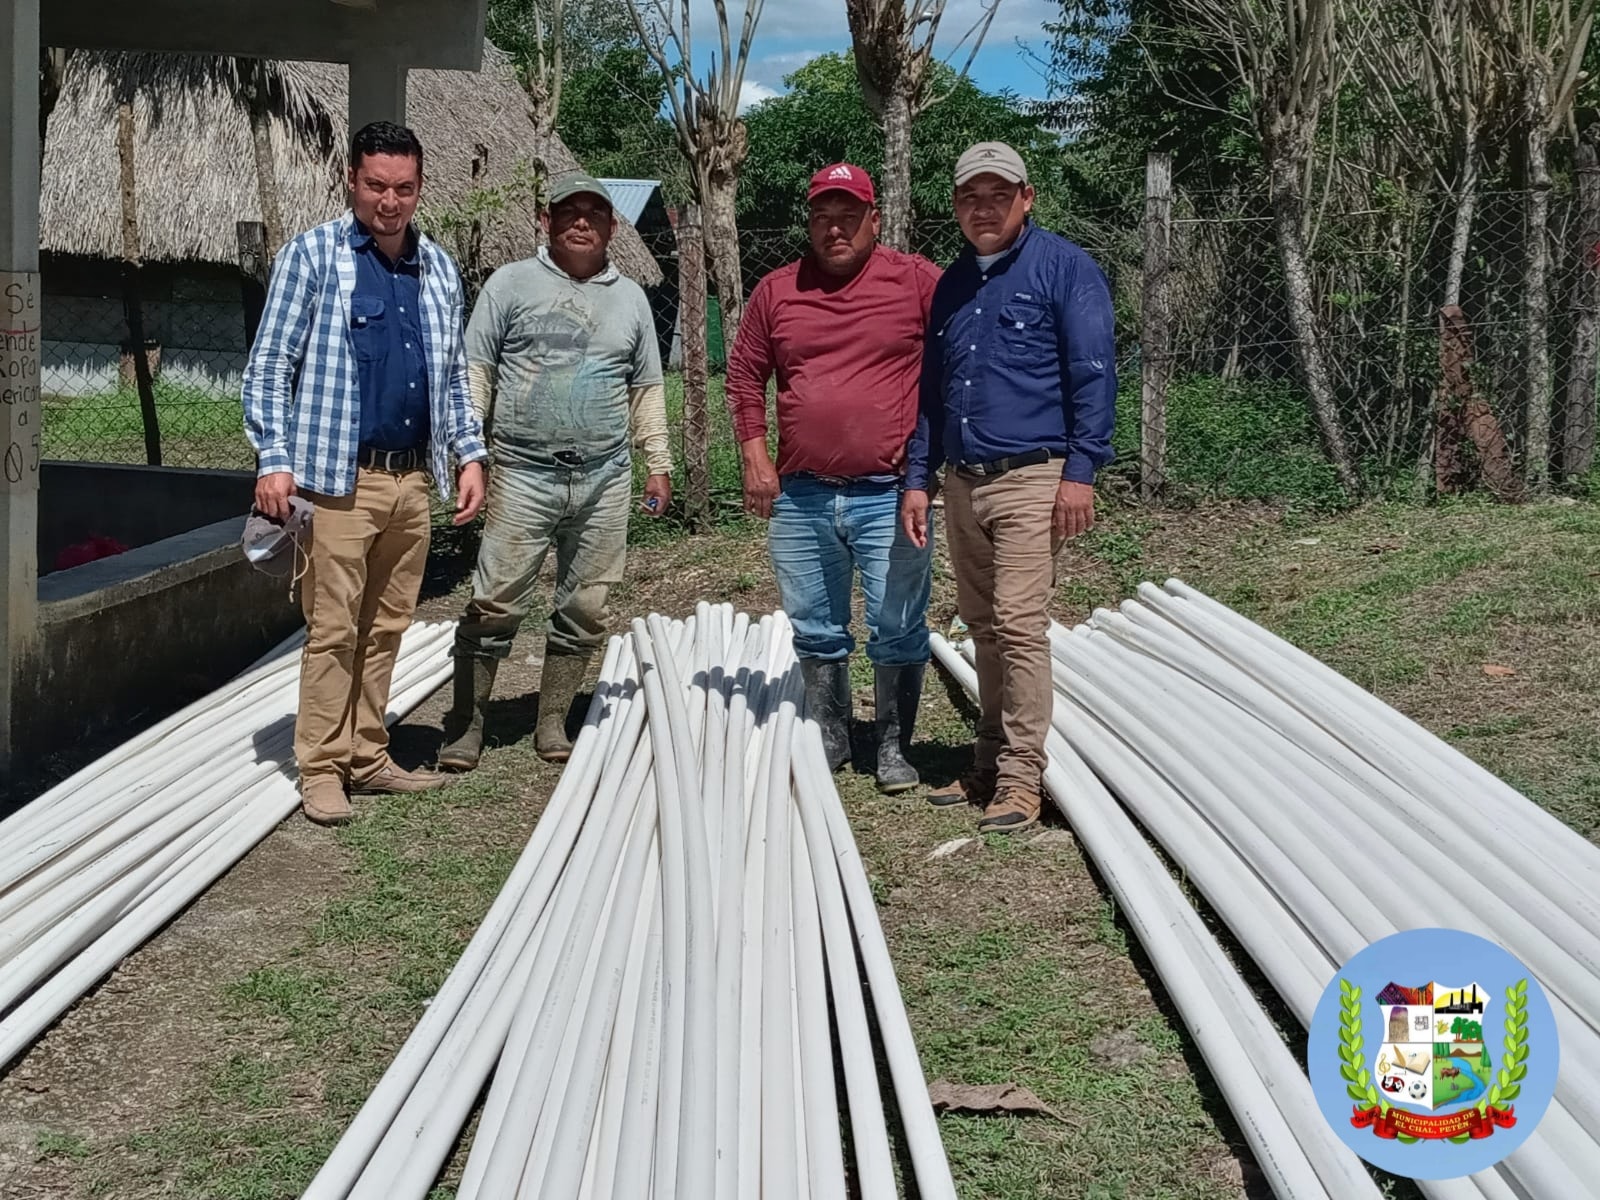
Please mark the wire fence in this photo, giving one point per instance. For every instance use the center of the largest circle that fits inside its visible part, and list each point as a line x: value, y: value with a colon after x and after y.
x: 1240, y: 416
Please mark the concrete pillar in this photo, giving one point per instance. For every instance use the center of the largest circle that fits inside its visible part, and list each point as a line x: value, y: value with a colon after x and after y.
x: 377, y: 88
x: 19, y: 348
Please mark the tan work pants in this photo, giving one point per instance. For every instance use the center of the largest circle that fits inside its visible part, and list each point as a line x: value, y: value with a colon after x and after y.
x: 1003, y: 548
x: 368, y: 551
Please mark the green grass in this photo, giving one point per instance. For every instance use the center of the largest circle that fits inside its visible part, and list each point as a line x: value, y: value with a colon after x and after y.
x: 198, y: 427
x: 52, y: 1144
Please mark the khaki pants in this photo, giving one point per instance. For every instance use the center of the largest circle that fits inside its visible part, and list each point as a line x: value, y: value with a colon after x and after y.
x: 368, y: 551
x: 1003, y: 549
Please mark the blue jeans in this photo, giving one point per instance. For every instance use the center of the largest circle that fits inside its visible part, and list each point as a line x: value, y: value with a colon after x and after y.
x: 819, y: 537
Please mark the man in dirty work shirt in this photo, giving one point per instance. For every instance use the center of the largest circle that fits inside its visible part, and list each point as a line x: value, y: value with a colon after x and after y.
x: 565, y: 370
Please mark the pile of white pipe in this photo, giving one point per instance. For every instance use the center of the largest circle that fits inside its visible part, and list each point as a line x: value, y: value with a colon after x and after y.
x: 659, y: 987
x: 1270, y: 780
x: 100, y: 862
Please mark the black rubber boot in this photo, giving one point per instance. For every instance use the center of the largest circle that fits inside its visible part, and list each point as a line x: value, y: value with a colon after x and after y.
x: 463, y: 724
x: 897, y: 691
x: 828, y: 704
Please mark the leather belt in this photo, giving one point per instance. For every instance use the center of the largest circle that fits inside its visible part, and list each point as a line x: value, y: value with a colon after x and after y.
x: 394, y: 462
x: 1000, y: 466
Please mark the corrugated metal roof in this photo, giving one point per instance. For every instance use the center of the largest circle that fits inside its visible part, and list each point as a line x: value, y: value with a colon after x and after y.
x: 630, y: 196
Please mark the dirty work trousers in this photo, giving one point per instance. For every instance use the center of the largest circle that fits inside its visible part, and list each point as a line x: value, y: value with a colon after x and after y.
x: 367, y: 555
x: 581, y: 512
x: 819, y: 537
x: 1003, y: 550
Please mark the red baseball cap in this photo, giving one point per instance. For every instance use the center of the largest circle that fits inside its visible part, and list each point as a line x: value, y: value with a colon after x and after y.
x: 843, y: 177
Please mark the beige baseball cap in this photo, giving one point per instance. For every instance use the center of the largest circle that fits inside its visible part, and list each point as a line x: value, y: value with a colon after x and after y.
x: 991, y: 158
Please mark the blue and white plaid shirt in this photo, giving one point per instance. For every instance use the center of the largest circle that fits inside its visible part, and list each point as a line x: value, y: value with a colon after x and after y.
x: 302, y: 396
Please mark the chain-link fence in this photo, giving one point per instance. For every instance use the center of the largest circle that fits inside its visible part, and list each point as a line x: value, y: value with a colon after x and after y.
x: 192, y: 316
x: 1405, y: 397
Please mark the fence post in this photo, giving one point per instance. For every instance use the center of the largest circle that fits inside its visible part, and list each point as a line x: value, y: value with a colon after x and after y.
x: 692, y: 324
x: 254, y: 267
x: 1578, y: 419
x: 1155, y: 325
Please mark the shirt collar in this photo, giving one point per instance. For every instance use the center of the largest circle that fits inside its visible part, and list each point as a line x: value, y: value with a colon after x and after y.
x: 361, y: 239
x: 606, y: 274
x: 970, y: 253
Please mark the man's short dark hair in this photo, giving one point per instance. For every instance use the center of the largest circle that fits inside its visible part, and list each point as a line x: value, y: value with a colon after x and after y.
x: 384, y: 137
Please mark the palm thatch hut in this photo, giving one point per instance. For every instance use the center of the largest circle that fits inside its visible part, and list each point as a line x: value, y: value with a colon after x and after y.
x: 216, y: 141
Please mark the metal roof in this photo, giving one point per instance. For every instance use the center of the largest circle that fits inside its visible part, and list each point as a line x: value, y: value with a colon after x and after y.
x: 630, y: 197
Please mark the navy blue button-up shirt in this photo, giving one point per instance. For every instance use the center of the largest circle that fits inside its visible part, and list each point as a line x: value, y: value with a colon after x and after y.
x: 1018, y: 357
x: 386, y: 333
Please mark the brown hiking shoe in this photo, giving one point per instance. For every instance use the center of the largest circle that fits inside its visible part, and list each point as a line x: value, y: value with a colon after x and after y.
x: 389, y: 780
x: 1012, y: 810
x: 974, y: 787
x: 323, y: 801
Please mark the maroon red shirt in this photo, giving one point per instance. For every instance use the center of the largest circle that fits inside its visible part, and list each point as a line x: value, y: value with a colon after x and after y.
x: 847, y: 357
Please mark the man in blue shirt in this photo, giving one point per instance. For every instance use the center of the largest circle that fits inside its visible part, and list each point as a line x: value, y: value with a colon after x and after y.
x: 1018, y: 396
x: 356, y: 391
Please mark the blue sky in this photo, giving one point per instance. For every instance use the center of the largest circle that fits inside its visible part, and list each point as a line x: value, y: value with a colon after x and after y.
x: 794, y: 31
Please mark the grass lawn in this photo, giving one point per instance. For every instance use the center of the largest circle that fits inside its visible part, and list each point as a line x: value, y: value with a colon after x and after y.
x: 222, y: 1061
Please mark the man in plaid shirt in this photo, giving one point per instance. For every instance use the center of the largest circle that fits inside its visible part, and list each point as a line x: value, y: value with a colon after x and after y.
x: 356, y: 391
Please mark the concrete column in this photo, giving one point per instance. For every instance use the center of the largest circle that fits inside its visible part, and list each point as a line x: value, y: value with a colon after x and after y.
x: 19, y: 348
x: 377, y: 88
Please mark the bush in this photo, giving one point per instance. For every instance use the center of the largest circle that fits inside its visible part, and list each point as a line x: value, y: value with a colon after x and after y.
x: 1246, y: 439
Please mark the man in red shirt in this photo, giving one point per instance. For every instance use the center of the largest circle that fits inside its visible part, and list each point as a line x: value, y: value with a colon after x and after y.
x: 842, y: 330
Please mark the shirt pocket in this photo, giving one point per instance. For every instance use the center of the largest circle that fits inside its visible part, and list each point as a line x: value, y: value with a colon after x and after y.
x: 1025, y: 334
x: 369, y: 333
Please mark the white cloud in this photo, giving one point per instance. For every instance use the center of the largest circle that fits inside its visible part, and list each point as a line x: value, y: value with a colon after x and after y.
x: 752, y: 93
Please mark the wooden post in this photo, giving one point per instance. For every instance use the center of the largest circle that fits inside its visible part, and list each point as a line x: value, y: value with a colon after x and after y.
x: 1578, y: 423
x: 254, y: 267
x: 132, y: 306
x: 692, y: 323
x: 1155, y: 324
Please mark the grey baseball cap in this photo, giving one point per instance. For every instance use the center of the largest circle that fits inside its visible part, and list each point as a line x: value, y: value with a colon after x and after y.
x: 272, y: 546
x: 991, y: 158
x: 574, y: 183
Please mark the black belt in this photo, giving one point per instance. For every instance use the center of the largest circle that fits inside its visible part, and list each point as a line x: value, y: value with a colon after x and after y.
x: 395, y: 462
x: 1000, y: 466
x: 844, y: 481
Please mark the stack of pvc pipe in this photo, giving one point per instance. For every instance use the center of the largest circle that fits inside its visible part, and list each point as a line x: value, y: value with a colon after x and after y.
x: 100, y: 862
x: 658, y: 989
x: 1285, y: 794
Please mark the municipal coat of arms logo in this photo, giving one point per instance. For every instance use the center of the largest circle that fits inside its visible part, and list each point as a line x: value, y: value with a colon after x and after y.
x: 1434, y: 1079
x: 1434, y: 1070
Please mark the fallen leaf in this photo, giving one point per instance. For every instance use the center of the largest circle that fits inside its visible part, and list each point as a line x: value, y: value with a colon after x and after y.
x: 987, y: 1099
x: 1308, y: 541
x: 949, y: 848
x: 1383, y: 547
x: 1496, y: 671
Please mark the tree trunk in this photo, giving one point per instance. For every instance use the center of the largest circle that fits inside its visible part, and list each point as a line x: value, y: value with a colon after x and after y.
x: 1466, y: 210
x: 1536, y: 285
x: 133, y: 309
x: 692, y: 323
x: 1462, y: 415
x: 52, y: 68
x: 1578, y: 423
x: 266, y: 166
x: 1288, y: 211
x: 722, y: 250
x: 895, y: 202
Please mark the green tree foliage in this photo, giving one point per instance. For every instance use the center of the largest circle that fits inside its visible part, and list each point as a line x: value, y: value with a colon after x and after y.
x: 822, y: 119
x: 611, y: 120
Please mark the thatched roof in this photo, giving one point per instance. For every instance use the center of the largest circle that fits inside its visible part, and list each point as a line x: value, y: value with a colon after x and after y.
x: 195, y: 167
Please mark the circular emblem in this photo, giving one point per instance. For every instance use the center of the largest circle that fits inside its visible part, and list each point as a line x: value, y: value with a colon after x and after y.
x: 1433, y: 1053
